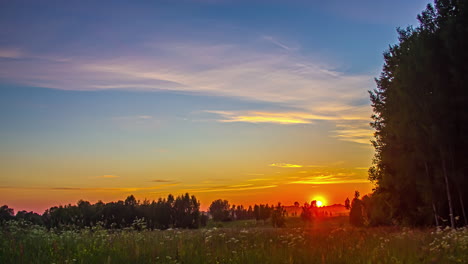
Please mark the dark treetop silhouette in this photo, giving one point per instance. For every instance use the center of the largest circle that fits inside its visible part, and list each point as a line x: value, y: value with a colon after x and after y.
x: 421, y: 122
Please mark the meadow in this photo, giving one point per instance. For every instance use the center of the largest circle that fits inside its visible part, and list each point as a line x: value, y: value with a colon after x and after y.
x: 328, y: 241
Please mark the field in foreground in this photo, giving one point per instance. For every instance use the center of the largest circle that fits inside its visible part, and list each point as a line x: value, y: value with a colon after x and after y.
x: 328, y: 241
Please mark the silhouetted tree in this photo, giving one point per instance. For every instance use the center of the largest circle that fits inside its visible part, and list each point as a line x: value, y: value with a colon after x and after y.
x: 6, y: 213
x: 356, y: 217
x: 262, y: 212
x: 182, y: 212
x: 31, y: 217
x: 220, y: 210
x: 308, y: 212
x: 421, y: 121
x: 347, y: 204
x: 250, y: 213
x: 278, y: 216
x: 187, y: 213
x: 203, y: 219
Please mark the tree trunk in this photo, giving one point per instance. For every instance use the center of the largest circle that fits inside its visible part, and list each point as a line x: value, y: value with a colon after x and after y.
x: 449, y: 195
x: 436, y: 217
x: 462, y: 206
x: 435, y: 214
x: 459, y: 191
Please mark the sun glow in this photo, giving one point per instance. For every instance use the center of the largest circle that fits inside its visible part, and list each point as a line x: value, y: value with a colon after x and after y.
x: 320, y: 201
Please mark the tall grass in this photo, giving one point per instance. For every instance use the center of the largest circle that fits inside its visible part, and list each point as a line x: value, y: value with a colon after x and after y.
x: 330, y: 241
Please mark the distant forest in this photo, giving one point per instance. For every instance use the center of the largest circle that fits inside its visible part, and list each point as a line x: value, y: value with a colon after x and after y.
x: 421, y: 123
x: 180, y: 212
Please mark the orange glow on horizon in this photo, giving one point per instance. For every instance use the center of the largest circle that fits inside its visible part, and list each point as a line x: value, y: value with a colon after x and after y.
x: 321, y: 201
x: 40, y: 198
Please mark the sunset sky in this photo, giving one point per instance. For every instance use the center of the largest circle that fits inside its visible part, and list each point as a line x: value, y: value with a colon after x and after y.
x: 249, y: 101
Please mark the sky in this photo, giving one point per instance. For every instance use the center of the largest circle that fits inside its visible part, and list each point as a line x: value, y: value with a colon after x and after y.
x: 249, y: 101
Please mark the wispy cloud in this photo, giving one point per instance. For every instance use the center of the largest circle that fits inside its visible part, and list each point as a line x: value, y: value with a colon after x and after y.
x: 330, y: 181
x: 144, y: 117
x: 262, y: 117
x: 361, y: 168
x: 161, y: 180
x: 334, y: 178
x: 241, y: 185
x: 289, y: 165
x: 277, y: 43
x: 285, y: 118
x: 244, y: 71
x: 285, y: 165
x: 98, y: 189
x: 226, y: 70
x: 261, y: 179
x: 233, y: 188
x: 10, y: 53
x: 358, y: 132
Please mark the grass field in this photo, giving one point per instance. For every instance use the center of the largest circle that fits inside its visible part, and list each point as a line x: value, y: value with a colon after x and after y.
x: 328, y: 241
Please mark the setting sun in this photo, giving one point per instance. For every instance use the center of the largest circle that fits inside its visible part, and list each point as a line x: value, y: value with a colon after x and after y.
x: 320, y: 201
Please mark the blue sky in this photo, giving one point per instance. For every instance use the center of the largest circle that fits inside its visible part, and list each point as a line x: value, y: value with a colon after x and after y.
x: 104, y: 99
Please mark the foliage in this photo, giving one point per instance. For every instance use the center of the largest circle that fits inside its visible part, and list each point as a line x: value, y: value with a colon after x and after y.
x: 31, y: 217
x: 278, y: 216
x: 330, y: 242
x: 262, y: 212
x: 203, y: 219
x: 220, y: 210
x: 180, y: 212
x: 309, y: 212
x: 347, y: 204
x: 421, y: 122
x: 186, y: 212
x: 6, y: 213
x: 356, y: 216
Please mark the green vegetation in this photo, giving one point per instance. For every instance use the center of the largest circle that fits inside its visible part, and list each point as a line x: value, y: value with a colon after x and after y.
x: 329, y: 241
x: 421, y: 123
x: 180, y: 212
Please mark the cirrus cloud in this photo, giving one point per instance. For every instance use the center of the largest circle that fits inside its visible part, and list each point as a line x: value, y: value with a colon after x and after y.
x: 249, y: 71
x: 285, y: 165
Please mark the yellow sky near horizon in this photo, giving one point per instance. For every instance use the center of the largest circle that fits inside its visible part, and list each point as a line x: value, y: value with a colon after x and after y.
x: 286, y: 183
x: 261, y: 108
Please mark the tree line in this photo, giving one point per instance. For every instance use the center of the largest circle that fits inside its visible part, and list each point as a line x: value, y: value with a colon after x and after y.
x: 421, y: 122
x: 173, y: 212
x: 220, y: 210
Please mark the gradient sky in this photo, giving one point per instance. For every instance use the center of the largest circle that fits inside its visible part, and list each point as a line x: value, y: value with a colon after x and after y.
x: 250, y: 101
